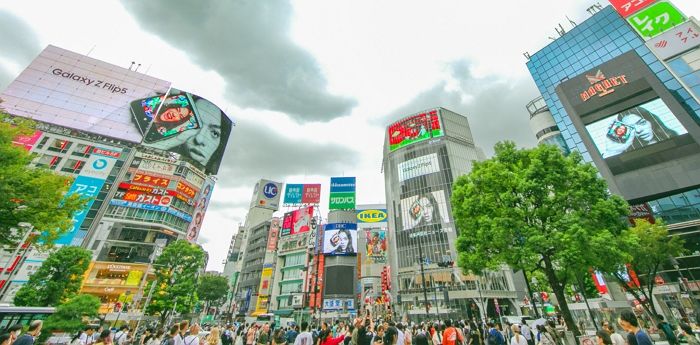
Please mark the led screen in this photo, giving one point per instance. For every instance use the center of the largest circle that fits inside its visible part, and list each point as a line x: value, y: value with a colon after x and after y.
x: 413, y: 129
x: 340, y: 239
x: 424, y: 209
x: 635, y: 128
x: 337, y: 280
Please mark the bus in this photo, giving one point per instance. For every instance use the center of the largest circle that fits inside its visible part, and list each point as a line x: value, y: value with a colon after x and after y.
x: 22, y: 315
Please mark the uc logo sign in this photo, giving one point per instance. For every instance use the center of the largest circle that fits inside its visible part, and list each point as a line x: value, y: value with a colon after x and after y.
x: 372, y: 216
x: 270, y: 190
x: 99, y: 164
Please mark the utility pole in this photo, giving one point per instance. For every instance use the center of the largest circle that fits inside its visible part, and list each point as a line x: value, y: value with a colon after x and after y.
x: 422, y: 273
x: 529, y: 291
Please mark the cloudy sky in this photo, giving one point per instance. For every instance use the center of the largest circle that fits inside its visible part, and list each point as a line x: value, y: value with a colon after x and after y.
x: 310, y: 84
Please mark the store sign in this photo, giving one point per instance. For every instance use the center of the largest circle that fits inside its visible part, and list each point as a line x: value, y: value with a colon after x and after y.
x: 627, y: 7
x: 144, y: 189
x: 601, y: 85
x: 157, y: 167
x: 311, y: 194
x: 292, y: 243
x: 293, y: 194
x: 371, y: 216
x: 185, y: 189
x: 676, y: 41
x: 338, y: 304
x: 150, y: 180
x: 145, y: 198
x: 656, y: 19
x: 420, y: 166
x: 150, y: 207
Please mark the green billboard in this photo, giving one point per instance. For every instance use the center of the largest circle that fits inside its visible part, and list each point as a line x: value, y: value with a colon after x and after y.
x: 342, y: 201
x: 656, y: 19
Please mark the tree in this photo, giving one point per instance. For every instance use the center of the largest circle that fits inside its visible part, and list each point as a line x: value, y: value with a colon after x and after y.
x: 30, y: 195
x: 176, y: 279
x: 57, y: 280
x: 212, y: 289
x: 649, y: 246
x: 536, y: 209
x: 72, y: 315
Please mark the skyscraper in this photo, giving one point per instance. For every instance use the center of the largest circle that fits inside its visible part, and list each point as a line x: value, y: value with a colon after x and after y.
x: 424, y: 154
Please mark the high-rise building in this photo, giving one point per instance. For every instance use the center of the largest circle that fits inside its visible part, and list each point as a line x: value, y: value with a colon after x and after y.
x: 625, y: 97
x: 424, y: 154
x: 543, y: 126
x: 373, y: 245
x: 145, y: 153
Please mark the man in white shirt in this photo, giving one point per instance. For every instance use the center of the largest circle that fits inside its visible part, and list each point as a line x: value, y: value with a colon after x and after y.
x: 305, y: 337
x: 87, y: 337
x: 122, y: 336
x: 525, y: 331
x: 401, y: 340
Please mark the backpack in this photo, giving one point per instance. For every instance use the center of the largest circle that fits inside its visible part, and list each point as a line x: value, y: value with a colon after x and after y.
x: 494, y: 338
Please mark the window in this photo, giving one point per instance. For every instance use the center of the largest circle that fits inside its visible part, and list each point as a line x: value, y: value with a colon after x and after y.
x: 48, y: 161
x: 82, y: 150
x: 73, y: 166
x: 60, y: 145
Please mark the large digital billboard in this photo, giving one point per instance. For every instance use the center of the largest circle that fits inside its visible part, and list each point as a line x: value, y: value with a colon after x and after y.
x: 297, y: 221
x: 76, y: 91
x: 415, y: 128
x: 186, y: 124
x: 376, y: 243
x: 340, y: 239
x: 424, y: 209
x: 635, y: 128
x: 199, y: 210
x: 419, y: 166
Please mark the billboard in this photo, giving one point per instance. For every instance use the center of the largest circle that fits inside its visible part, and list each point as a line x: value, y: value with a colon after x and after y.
x: 266, y: 195
x: 76, y: 91
x: 677, y: 40
x: 342, y: 194
x: 635, y: 128
x: 311, y: 194
x: 293, y: 193
x: 656, y: 19
x: 199, y: 210
x: 298, y: 221
x: 27, y: 141
x: 420, y: 166
x: 414, y: 129
x: 627, y: 7
x: 377, y: 245
x: 340, y: 239
x: 424, y: 209
x: 371, y: 216
x: 337, y: 282
x: 273, y: 235
x: 186, y: 124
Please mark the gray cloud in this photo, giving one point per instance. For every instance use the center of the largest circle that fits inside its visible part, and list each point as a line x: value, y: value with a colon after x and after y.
x: 20, y: 44
x: 495, y: 108
x: 254, y: 149
x: 247, y: 43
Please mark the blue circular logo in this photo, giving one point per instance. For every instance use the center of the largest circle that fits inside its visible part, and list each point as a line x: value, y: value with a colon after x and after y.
x: 99, y: 164
x: 270, y: 190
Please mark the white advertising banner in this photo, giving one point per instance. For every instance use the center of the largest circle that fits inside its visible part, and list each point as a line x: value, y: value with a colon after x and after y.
x: 420, y: 166
x: 677, y: 40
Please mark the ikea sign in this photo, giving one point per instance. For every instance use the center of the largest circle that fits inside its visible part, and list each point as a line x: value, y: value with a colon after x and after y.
x: 371, y: 216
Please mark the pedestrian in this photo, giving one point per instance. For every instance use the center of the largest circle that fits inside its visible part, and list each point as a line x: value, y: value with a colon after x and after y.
x: 105, y: 338
x: 494, y: 335
x: 518, y: 338
x: 348, y: 334
x: 628, y: 321
x: 157, y: 338
x: 263, y: 335
x: 667, y: 330
x: 379, y: 337
x: 401, y: 337
x: 14, y: 331
x: 688, y: 334
x: 603, y: 338
x: 32, y: 333
x: 451, y: 336
x: 193, y: 337
x: 474, y: 334
x: 614, y: 336
x: 325, y: 338
x: 278, y: 338
x: 76, y: 340
x: 182, y: 332
x: 5, y: 339
x: 435, y: 334
x: 169, y: 339
x: 121, y: 337
x: 544, y: 338
x: 146, y: 336
x: 526, y: 332
x: 214, y: 337
x: 391, y: 336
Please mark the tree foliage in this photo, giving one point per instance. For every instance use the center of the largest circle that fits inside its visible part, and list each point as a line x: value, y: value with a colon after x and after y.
x: 30, y: 195
x: 649, y: 246
x: 176, y: 279
x: 212, y: 289
x: 536, y: 209
x: 57, y: 280
x: 72, y: 315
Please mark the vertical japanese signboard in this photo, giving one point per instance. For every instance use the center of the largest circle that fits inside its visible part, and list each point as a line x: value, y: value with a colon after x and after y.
x: 656, y: 19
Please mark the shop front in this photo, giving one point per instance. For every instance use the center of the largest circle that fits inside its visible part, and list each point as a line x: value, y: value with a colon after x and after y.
x: 114, y: 283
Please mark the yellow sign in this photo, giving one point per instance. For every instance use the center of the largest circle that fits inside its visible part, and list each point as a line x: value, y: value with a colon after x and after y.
x: 371, y: 216
x: 262, y: 304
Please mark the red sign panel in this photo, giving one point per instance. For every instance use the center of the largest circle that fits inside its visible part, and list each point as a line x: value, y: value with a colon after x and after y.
x: 27, y: 141
x: 145, y: 198
x: 273, y: 236
x: 150, y: 180
x: 107, y: 153
x: 311, y: 194
x: 185, y: 189
x: 628, y: 7
x: 144, y: 189
x: 641, y: 211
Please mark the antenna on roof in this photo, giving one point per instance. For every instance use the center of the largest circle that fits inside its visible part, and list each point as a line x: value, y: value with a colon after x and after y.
x: 137, y: 68
x: 573, y: 23
x: 595, y: 8
x: 132, y: 65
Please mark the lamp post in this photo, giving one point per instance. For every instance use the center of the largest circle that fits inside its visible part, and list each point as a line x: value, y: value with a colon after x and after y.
x: 529, y: 291
x: 422, y: 273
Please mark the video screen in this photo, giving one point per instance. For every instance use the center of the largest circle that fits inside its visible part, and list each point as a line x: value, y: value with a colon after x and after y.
x: 340, y: 239
x: 424, y: 209
x: 635, y: 128
x: 413, y: 129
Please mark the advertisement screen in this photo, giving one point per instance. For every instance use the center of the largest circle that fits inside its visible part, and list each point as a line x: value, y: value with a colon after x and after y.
x: 424, y: 209
x: 376, y: 245
x: 298, y: 221
x: 635, y: 128
x: 414, y: 128
x: 186, y: 124
x: 199, y: 210
x: 420, y: 166
x: 337, y: 280
x: 340, y: 239
x: 75, y: 91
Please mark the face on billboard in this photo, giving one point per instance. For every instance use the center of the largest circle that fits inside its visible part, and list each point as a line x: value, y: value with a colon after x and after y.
x: 340, y: 239
x: 414, y: 129
x: 635, y: 128
x: 376, y: 245
x: 187, y: 124
x: 75, y: 91
x: 199, y: 211
x: 424, y: 209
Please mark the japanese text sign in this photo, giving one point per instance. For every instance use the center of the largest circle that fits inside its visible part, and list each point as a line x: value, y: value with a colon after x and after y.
x: 656, y: 19
x: 151, y: 180
x: 628, y: 7
x: 676, y: 40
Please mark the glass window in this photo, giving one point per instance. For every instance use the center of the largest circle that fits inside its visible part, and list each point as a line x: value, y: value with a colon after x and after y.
x: 73, y: 166
x: 59, y: 145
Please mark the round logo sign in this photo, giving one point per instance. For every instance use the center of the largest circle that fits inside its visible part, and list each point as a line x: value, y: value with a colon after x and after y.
x: 270, y: 190
x: 99, y: 164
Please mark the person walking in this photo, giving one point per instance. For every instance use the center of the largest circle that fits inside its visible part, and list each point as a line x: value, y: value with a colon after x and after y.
x: 688, y: 334
x: 494, y: 336
x: 214, y: 337
x: 305, y: 337
x: 451, y: 336
x: 32, y: 333
x: 603, y: 337
x: 193, y: 337
x: 526, y: 332
x: 667, y: 329
x: 628, y: 321
x: 105, y: 338
x: 518, y: 338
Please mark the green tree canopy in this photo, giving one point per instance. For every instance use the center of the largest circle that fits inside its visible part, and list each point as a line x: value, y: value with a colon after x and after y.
x: 176, y: 279
x: 212, y: 289
x: 30, y: 195
x: 57, y: 280
x: 72, y: 315
x: 536, y: 209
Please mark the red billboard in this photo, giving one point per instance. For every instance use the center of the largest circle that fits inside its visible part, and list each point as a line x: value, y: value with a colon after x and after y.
x: 298, y: 221
x: 186, y: 189
x: 144, y: 198
x: 27, y: 141
x: 414, y: 128
x: 628, y: 7
x: 311, y: 194
x: 150, y: 180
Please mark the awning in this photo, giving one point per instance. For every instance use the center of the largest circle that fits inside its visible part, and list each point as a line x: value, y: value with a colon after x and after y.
x: 284, y: 312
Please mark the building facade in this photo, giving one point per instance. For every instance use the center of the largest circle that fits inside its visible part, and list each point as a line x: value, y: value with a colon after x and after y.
x: 543, y: 126
x: 424, y: 154
x: 373, y: 246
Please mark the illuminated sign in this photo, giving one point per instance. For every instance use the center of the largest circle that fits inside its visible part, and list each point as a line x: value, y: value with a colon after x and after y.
x: 414, y: 128
x: 150, y: 180
x: 371, y: 216
x: 186, y: 189
x: 601, y: 85
x: 675, y: 41
x: 656, y: 19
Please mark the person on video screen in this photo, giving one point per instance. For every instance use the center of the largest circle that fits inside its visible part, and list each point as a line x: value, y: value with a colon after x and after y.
x: 204, y: 145
x: 633, y: 129
x: 424, y: 210
x: 342, y: 242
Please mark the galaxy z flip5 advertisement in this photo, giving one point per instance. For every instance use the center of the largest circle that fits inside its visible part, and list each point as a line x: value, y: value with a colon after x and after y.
x: 184, y: 123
